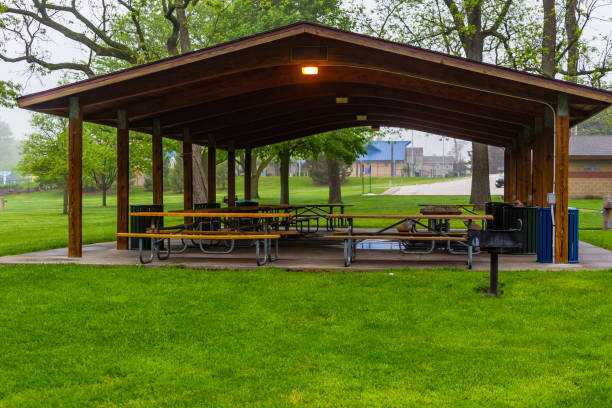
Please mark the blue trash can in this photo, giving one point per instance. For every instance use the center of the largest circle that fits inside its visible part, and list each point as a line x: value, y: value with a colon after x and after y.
x: 545, y: 235
x: 545, y: 238
x: 573, y: 235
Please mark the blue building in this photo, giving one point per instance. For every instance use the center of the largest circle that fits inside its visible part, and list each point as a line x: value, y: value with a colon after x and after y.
x: 383, y: 159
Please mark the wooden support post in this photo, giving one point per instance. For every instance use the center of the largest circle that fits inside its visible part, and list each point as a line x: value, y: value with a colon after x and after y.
x: 525, y: 195
x: 231, y: 174
x: 510, y: 178
x: 75, y: 179
x: 247, y: 172
x: 539, y: 194
x: 548, y: 155
x: 507, y: 193
x: 123, y: 178
x: 561, y: 181
x: 519, y: 174
x: 187, y: 170
x: 212, y: 169
x: 158, y: 167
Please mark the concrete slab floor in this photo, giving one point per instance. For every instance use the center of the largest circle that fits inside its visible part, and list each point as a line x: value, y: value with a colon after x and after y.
x: 312, y: 255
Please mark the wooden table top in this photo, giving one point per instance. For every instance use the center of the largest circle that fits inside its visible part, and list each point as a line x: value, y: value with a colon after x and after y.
x: 417, y: 216
x: 207, y: 214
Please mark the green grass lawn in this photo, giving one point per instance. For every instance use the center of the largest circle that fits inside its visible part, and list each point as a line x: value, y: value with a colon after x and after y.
x: 77, y: 336
x: 33, y: 222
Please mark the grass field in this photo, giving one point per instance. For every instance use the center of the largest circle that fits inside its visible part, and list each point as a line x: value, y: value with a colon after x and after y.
x: 76, y: 336
x: 33, y: 222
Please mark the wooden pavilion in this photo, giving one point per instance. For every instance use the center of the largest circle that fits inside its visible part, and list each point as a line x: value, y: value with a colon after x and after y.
x: 305, y: 79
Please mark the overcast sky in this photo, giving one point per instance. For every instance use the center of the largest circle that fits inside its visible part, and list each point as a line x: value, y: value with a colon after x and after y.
x: 18, y: 119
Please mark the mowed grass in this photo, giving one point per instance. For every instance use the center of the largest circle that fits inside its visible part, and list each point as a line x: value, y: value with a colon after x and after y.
x: 79, y: 336
x: 33, y: 222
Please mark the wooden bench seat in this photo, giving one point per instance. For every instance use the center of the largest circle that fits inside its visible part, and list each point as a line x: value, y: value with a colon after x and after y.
x: 402, y: 233
x: 222, y: 232
x: 204, y: 235
x: 398, y: 237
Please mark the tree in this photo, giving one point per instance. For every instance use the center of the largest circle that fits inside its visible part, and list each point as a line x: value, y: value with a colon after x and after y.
x: 260, y: 158
x: 464, y: 28
x: 337, y: 147
x: 600, y: 124
x: 100, y: 156
x: 9, y: 155
x: 44, y: 153
x: 283, y: 152
x: 114, y: 34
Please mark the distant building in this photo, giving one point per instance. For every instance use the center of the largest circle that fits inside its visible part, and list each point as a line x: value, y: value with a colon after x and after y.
x: 429, y: 166
x: 383, y: 159
x: 590, y: 166
x: 8, y: 177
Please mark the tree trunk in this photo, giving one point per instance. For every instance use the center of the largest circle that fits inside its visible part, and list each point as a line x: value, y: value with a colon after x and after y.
x: 254, y: 177
x: 285, y: 157
x: 65, y: 203
x: 481, y: 192
x: 200, y: 187
x: 104, y: 189
x: 549, y: 38
x: 333, y: 176
x: 571, y: 28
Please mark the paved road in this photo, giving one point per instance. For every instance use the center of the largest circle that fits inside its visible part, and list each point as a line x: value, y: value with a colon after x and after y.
x: 454, y: 187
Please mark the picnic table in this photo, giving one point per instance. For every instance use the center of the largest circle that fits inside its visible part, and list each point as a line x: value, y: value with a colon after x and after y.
x: 304, y: 217
x: 229, y: 230
x: 304, y: 214
x: 411, y: 240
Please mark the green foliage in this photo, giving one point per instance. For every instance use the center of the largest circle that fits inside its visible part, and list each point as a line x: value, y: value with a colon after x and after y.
x: 44, y: 153
x: 600, y: 124
x: 9, y: 91
x: 319, y: 173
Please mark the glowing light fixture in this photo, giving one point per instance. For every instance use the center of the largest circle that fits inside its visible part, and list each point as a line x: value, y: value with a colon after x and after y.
x: 362, y: 117
x: 342, y: 99
x: 310, y: 70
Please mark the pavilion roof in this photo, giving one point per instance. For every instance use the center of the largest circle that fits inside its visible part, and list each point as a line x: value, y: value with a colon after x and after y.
x: 252, y: 91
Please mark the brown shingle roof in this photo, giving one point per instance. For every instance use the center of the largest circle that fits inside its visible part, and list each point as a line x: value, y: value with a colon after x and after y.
x: 591, y: 145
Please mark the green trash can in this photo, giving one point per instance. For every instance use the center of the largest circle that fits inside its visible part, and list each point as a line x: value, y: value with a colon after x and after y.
x: 529, y: 218
x: 140, y: 224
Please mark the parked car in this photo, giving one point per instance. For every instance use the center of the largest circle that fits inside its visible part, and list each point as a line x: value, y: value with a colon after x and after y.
x: 500, y: 181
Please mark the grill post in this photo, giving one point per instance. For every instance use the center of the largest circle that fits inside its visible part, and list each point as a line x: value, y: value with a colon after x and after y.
x: 494, y: 274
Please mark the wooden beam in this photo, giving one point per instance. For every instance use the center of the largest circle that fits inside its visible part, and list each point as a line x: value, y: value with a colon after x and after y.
x: 539, y: 194
x: 212, y: 169
x: 261, y: 79
x: 158, y: 167
x: 510, y: 178
x: 187, y: 171
x: 248, y: 159
x: 317, y: 110
x: 273, y: 99
x: 561, y: 181
x: 507, y: 193
x: 307, y: 128
x: 75, y: 179
x: 548, y: 154
x: 123, y: 178
x: 231, y: 174
x: 216, y: 121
